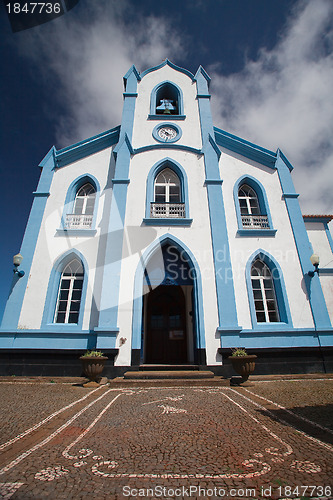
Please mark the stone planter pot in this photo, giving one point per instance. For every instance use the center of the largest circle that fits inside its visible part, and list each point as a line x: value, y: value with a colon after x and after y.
x: 243, y: 365
x: 93, y: 367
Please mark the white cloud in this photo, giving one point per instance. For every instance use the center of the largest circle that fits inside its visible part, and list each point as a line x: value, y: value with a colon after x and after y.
x: 284, y: 99
x: 83, y: 60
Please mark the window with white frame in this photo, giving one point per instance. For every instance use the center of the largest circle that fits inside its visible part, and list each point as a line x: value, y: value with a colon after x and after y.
x: 83, y: 209
x: 69, y: 293
x: 250, y: 209
x: 264, y: 293
x: 167, y: 195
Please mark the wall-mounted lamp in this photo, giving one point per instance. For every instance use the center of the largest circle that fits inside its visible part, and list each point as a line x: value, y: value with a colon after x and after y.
x: 315, y: 262
x: 17, y: 259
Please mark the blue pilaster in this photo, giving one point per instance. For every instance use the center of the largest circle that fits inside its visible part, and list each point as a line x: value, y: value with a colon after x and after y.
x: 222, y: 263
x: 314, y: 291
x: 16, y: 295
x: 107, y: 327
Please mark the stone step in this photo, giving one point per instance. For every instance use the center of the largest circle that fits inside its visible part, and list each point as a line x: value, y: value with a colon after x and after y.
x: 168, y: 374
x: 156, y: 367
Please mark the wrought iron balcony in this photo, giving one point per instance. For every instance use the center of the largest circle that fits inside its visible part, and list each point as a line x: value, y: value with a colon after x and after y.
x: 167, y: 210
x: 255, y: 222
x: 80, y: 221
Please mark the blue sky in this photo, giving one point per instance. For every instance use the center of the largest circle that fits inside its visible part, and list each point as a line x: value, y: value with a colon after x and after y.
x: 271, y: 64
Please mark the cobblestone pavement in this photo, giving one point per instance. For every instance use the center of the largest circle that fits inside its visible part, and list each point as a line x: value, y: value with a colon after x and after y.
x: 269, y: 441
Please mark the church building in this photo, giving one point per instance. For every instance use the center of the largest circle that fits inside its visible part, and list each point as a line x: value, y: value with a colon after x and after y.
x: 168, y: 241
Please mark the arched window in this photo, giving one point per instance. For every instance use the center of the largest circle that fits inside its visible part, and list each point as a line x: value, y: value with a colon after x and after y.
x: 167, y: 195
x: 264, y: 293
x: 252, y: 210
x: 167, y: 100
x: 167, y: 187
x: 69, y: 293
x: 80, y: 211
x: 85, y: 200
x: 248, y: 201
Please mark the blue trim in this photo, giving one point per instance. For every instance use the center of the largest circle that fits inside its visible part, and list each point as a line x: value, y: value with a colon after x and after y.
x: 166, y: 62
x: 166, y: 124
x: 268, y: 233
x: 304, y: 249
x: 180, y: 99
x: 150, y: 195
x: 245, y: 148
x: 121, y: 181
x: 137, y: 323
x: 16, y: 295
x: 70, y: 200
x: 167, y: 222
x: 166, y: 117
x: 280, y: 292
x: 164, y: 146
x: 53, y: 289
x: 87, y: 147
x: 109, y: 300
x: 282, y: 338
x: 325, y: 270
x: 226, y: 304
x: 329, y: 236
x: 263, y: 205
x: 44, y: 339
x: 131, y: 75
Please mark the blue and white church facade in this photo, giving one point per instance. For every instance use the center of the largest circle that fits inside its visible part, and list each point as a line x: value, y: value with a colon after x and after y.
x: 168, y: 241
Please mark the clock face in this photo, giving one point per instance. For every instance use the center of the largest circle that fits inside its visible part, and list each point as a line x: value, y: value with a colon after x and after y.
x: 167, y: 133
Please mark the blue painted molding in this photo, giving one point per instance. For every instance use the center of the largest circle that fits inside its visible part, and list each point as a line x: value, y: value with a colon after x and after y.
x: 121, y: 181
x: 178, y: 92
x: 150, y: 195
x: 130, y: 77
x: 70, y: 201
x: 245, y: 148
x: 166, y: 62
x: 329, y: 235
x: 87, y: 147
x: 280, y: 292
x: 76, y: 232
x: 44, y: 339
x: 263, y: 205
x: 164, y: 146
x: 226, y: 303
x: 213, y: 181
x: 16, y: 295
x: 124, y: 138
x: 41, y: 194
x: 281, y: 338
x: 159, y: 221
x: 166, y: 117
x: 48, y: 323
x: 109, y: 301
x: 304, y: 250
x: 137, y: 322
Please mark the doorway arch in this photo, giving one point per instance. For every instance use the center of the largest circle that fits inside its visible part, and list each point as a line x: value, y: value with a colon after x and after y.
x: 148, y: 277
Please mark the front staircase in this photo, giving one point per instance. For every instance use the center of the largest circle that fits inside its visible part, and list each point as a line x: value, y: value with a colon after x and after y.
x: 168, y: 376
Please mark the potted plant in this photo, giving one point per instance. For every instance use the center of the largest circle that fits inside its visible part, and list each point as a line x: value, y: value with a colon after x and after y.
x: 243, y: 364
x: 93, y: 364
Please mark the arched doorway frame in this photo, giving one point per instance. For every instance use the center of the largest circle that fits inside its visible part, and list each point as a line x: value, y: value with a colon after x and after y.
x: 137, y: 320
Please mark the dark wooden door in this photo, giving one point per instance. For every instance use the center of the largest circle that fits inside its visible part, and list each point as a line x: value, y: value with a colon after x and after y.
x: 166, y: 341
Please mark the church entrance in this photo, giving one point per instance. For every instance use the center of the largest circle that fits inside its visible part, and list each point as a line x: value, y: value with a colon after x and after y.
x: 166, y: 337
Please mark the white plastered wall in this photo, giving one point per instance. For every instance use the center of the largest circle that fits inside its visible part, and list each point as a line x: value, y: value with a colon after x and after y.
x: 51, y: 245
x: 197, y: 238
x: 282, y: 246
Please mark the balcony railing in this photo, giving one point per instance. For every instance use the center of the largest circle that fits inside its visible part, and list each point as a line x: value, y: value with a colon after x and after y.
x: 167, y: 210
x: 74, y: 221
x: 255, y: 222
